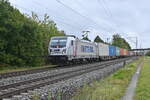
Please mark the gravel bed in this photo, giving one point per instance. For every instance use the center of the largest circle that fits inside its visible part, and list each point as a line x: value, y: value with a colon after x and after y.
x: 65, y: 89
x: 17, y: 79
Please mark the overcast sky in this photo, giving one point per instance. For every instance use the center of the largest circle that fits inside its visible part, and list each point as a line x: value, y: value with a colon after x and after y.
x: 129, y: 18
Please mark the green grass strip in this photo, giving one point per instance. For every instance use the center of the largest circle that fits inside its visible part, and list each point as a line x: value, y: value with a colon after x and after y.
x: 7, y: 69
x: 110, y: 88
x: 143, y: 86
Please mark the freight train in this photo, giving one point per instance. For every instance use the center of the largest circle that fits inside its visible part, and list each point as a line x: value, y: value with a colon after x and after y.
x: 69, y: 49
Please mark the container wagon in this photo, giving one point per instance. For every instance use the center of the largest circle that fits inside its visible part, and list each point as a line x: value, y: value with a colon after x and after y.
x: 112, y: 51
x: 117, y: 52
x: 103, y: 51
x: 121, y: 52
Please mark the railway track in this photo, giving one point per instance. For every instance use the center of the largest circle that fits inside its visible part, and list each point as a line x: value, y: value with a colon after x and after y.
x: 18, y: 73
x: 26, y: 72
x: 10, y: 90
x: 32, y: 71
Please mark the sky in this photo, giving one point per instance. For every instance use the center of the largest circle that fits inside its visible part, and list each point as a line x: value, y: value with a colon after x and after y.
x: 129, y: 18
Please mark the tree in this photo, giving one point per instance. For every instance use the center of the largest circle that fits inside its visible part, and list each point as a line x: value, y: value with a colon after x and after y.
x: 120, y: 42
x: 148, y: 53
x: 98, y: 39
x: 47, y: 29
x: 24, y: 40
x: 20, y: 36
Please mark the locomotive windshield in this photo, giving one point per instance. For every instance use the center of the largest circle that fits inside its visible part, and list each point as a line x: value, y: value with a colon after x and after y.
x: 58, y: 42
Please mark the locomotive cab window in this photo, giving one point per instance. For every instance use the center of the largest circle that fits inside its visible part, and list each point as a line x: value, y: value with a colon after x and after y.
x: 58, y: 42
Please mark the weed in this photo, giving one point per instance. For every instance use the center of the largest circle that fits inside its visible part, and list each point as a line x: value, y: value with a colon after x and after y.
x: 143, y: 87
x: 110, y: 88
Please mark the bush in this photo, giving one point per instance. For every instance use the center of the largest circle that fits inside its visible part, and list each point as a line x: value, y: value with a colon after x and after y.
x: 148, y: 53
x: 23, y: 40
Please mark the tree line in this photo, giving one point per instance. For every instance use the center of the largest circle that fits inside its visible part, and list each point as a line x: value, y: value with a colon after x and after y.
x: 116, y: 41
x: 23, y: 40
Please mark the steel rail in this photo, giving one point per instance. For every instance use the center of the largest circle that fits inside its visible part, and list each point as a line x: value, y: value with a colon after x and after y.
x: 36, y: 83
x: 32, y: 71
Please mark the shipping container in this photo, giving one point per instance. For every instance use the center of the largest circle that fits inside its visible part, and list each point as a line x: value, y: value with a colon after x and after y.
x: 103, y: 49
x: 121, y: 52
x: 131, y: 53
x: 112, y: 50
x: 85, y: 49
x: 125, y: 52
x: 117, y: 51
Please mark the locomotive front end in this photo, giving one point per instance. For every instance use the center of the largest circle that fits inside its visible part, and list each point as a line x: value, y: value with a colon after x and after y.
x: 58, y: 49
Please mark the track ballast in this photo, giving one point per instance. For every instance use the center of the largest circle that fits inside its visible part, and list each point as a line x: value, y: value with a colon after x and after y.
x: 10, y: 90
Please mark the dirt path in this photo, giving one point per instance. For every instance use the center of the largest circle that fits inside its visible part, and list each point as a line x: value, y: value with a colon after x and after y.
x: 132, y: 86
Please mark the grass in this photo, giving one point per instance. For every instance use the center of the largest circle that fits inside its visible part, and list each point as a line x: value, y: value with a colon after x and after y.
x: 110, y: 88
x: 5, y: 69
x: 143, y: 86
x: 36, y: 96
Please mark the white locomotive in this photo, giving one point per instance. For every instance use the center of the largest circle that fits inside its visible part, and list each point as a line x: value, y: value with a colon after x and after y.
x: 64, y: 49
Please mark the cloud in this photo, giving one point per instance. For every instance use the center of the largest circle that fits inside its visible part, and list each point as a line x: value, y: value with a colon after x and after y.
x: 130, y: 18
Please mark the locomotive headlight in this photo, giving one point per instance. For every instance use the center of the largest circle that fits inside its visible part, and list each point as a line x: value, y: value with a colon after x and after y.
x: 64, y: 51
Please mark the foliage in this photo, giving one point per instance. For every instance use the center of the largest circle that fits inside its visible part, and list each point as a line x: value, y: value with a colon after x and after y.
x: 98, y: 39
x: 148, y: 53
x: 6, y: 69
x: 120, y: 42
x: 47, y: 29
x: 23, y: 40
x: 111, y: 88
x: 142, y: 89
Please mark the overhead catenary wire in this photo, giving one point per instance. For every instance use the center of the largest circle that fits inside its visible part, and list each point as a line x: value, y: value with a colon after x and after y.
x: 127, y: 37
x: 101, y: 2
x: 107, y: 12
x: 85, y: 17
x: 41, y: 15
x: 82, y: 27
x: 70, y: 25
x: 108, y: 9
x: 81, y: 5
x: 49, y: 10
x: 112, y: 28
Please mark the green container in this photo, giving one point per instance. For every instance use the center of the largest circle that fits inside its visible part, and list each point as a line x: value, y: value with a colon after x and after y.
x: 117, y: 51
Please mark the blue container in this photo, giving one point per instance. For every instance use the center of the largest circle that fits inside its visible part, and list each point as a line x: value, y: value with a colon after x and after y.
x: 112, y: 50
x: 117, y: 51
